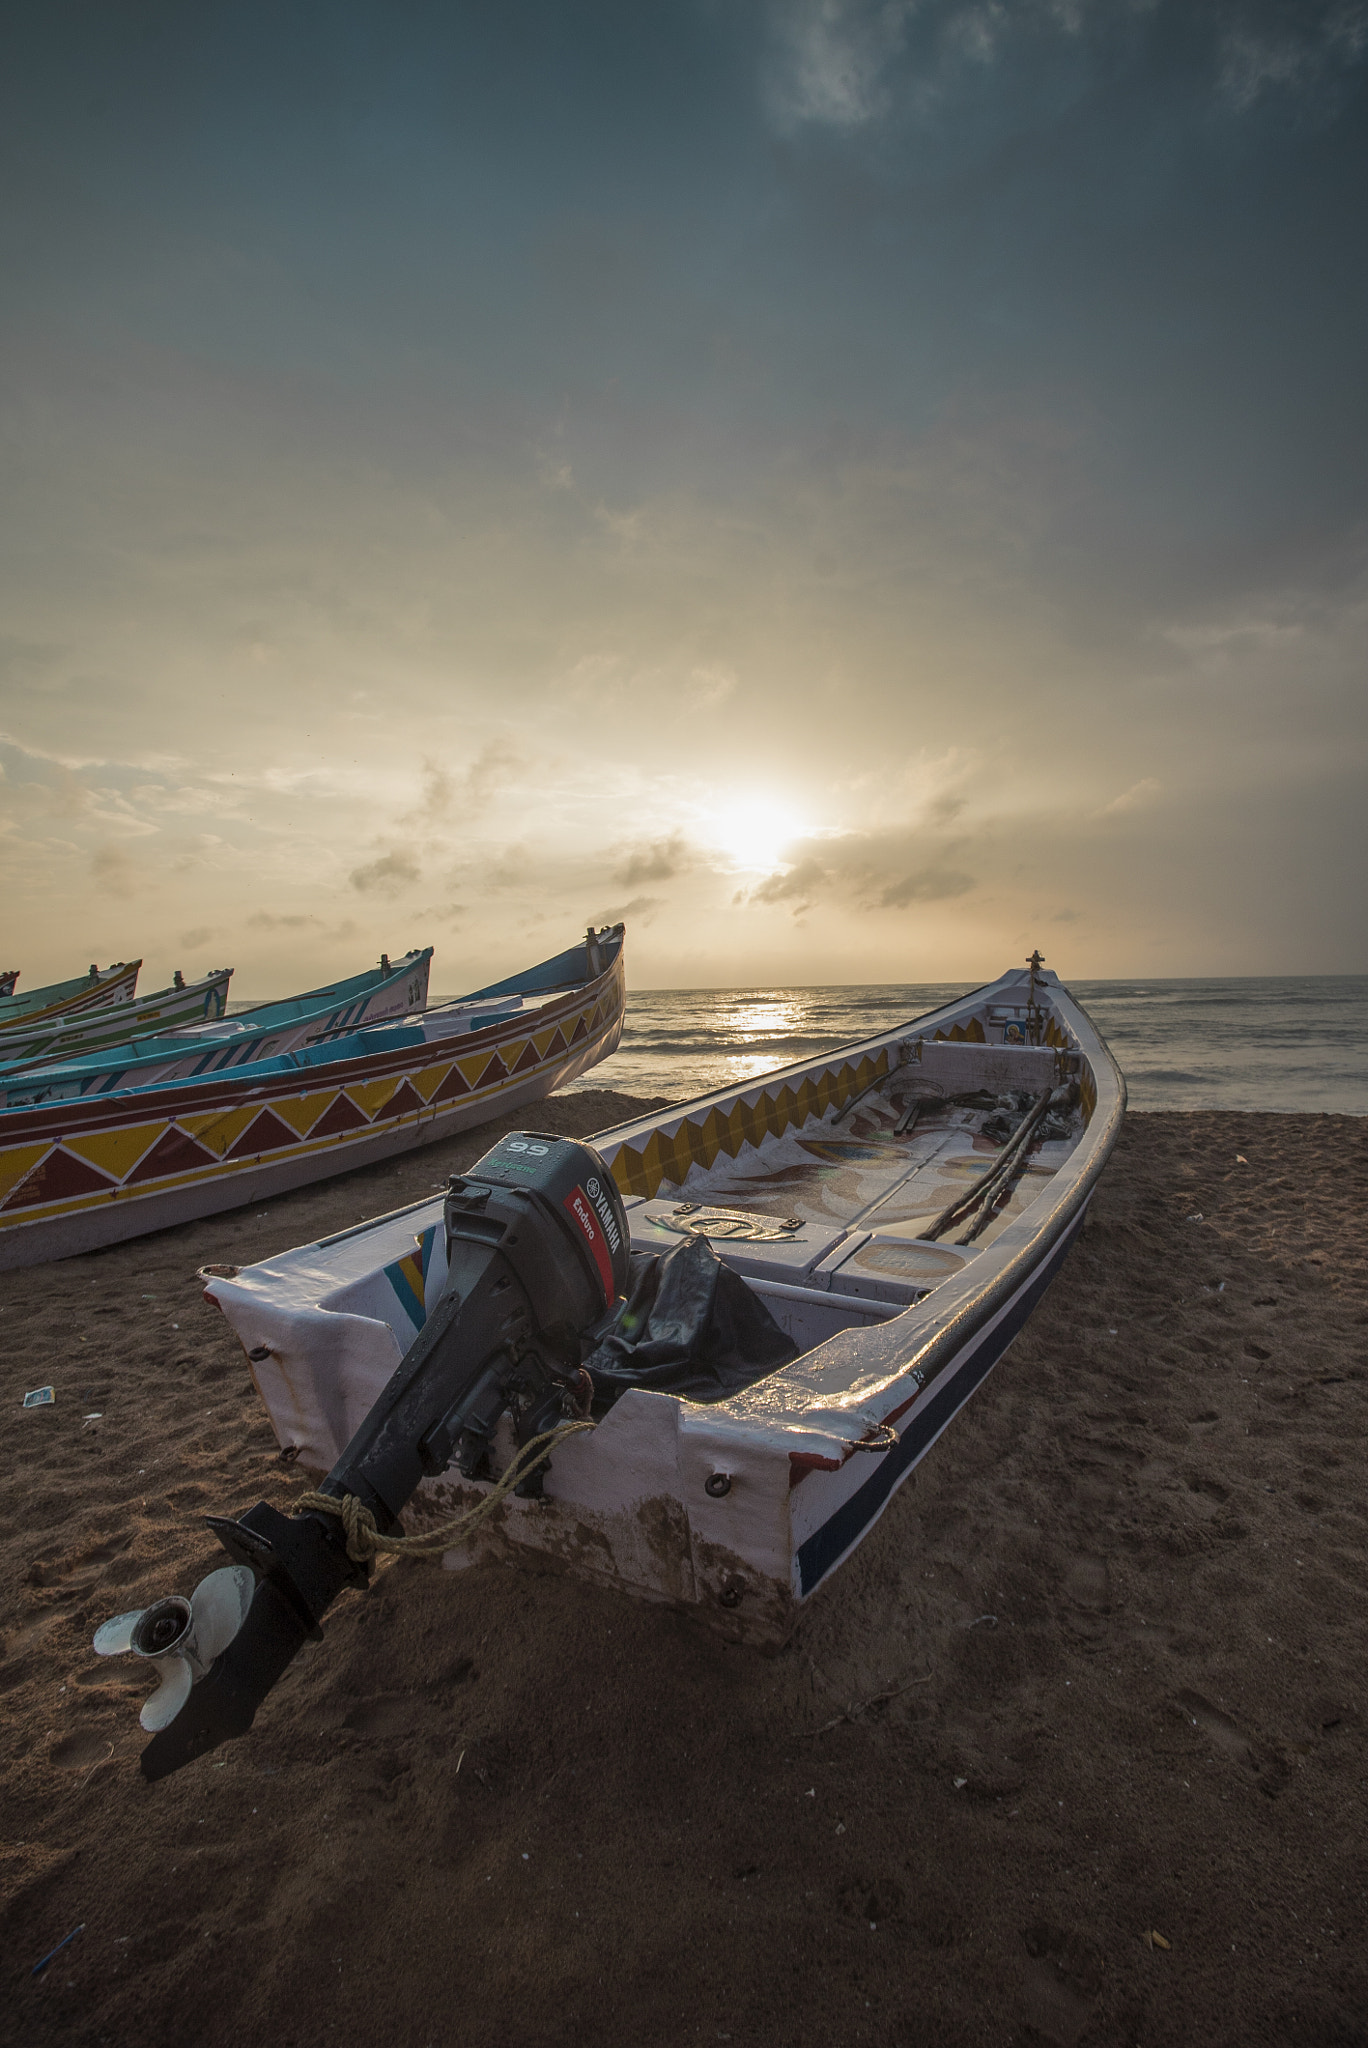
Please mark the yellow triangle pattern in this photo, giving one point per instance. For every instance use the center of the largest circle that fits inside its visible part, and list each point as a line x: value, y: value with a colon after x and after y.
x: 667, y: 1156
x: 301, y: 1112
x: 370, y: 1096
x: 117, y: 1152
x: 16, y: 1161
x: 222, y: 1128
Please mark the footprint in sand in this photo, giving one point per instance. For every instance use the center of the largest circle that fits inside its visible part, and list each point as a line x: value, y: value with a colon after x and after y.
x: 382, y: 1715
x: 1227, y: 1738
x: 1086, y: 1599
x: 1062, y: 1979
x: 74, y: 1752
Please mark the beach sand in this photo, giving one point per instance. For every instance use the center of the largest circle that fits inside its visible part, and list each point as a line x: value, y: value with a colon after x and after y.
x: 1099, y: 1672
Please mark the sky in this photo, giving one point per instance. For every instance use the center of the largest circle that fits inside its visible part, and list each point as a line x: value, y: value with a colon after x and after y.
x: 856, y: 489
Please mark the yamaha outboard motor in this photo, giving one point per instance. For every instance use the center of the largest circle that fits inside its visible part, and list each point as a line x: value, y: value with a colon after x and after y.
x: 537, y: 1253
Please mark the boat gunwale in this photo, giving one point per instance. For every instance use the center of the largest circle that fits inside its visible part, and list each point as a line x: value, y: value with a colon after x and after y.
x: 211, y: 1089
x: 968, y: 1300
x: 948, y: 1317
x: 93, y: 995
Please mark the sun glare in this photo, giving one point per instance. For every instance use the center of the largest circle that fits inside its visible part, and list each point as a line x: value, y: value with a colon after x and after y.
x: 755, y: 832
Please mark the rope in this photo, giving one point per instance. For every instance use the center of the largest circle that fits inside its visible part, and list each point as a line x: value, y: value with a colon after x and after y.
x: 364, y: 1540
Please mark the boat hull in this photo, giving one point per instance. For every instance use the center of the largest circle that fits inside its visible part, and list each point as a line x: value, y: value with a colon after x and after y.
x: 71, y: 998
x: 811, y: 1454
x: 89, y: 1031
x: 77, y: 1176
x: 113, y: 1061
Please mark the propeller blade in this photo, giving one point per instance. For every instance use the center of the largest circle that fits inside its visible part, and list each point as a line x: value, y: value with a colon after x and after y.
x: 224, y: 1705
x: 162, y: 1706
x: 116, y: 1636
x: 219, y: 1605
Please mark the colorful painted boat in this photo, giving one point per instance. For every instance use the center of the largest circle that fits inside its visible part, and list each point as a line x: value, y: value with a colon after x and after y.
x: 74, y: 1176
x: 830, y: 1188
x: 78, y: 1036
x: 71, y: 998
x: 260, y: 1033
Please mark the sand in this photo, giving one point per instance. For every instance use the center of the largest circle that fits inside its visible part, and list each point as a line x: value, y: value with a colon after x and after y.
x: 1120, y: 1611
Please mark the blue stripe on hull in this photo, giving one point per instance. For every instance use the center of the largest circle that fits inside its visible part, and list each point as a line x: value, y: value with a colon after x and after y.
x: 825, y: 1548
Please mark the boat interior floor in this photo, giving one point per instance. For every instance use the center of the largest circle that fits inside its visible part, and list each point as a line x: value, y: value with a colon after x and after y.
x: 838, y: 1205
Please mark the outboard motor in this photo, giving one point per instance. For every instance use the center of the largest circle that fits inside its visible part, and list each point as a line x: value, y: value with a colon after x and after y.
x: 537, y: 1245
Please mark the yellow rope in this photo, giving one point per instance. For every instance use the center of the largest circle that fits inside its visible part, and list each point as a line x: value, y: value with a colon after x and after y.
x: 364, y: 1540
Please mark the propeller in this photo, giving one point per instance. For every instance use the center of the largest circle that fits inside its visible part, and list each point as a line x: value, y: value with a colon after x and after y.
x: 180, y: 1638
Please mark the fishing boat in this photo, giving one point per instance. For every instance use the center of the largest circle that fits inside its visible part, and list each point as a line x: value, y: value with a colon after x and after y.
x: 893, y: 1211
x: 69, y: 1035
x: 117, y: 1061
x: 80, y: 1174
x: 90, y: 991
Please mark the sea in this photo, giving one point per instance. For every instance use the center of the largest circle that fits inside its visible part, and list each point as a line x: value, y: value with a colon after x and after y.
x: 1282, y: 1043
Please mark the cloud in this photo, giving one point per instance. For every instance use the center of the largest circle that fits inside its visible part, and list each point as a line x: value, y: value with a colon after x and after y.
x: 829, y: 61
x: 1133, y: 799
x: 800, y: 885
x: 889, y: 870
x: 927, y: 885
x: 659, y: 861
x: 193, y: 940
x: 113, y: 871
x: 389, y: 874
x: 640, y: 907
x: 268, y: 921
x: 449, y: 795
x: 1309, y: 47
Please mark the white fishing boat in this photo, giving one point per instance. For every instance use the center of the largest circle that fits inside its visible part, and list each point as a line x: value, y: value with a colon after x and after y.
x: 894, y: 1210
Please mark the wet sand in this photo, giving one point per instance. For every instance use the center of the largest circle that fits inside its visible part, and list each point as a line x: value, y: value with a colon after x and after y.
x: 1098, y: 1673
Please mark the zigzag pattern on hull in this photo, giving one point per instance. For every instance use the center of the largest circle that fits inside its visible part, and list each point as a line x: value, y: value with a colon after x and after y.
x: 78, y: 1155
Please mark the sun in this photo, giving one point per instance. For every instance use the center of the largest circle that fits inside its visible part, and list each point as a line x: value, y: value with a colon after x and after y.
x: 755, y: 831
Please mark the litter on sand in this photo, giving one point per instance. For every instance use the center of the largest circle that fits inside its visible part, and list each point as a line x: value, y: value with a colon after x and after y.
x: 39, y: 1967
x: 41, y: 1397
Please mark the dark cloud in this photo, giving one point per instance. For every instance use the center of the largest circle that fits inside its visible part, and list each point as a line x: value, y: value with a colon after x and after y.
x: 660, y: 861
x: 642, y: 908
x: 387, y: 875
x: 874, y: 871
x: 800, y: 885
x: 113, y: 870
x: 452, y: 793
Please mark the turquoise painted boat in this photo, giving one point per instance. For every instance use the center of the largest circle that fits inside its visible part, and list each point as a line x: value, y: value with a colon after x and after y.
x: 67, y: 998
x: 263, y: 1032
x: 75, y: 1036
x: 75, y: 1175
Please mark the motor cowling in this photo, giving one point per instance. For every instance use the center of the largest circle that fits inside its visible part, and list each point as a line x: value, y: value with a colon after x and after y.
x: 537, y: 1252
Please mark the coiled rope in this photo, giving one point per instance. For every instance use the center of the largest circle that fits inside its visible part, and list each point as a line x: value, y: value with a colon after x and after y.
x: 365, y: 1541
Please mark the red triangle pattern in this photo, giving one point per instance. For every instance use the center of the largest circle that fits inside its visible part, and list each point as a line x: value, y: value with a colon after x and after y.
x: 265, y: 1133
x: 341, y: 1114
x: 174, y: 1152
x: 495, y: 1071
x: 557, y: 1045
x: 579, y: 1031
x: 56, y: 1179
x: 454, y: 1084
x: 404, y: 1100
x: 528, y: 1060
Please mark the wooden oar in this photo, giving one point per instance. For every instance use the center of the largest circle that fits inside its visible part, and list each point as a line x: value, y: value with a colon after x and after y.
x: 963, y: 1205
